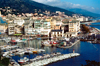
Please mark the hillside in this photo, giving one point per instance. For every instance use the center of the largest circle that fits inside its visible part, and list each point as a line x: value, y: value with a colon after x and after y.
x: 84, y: 12
x: 29, y: 6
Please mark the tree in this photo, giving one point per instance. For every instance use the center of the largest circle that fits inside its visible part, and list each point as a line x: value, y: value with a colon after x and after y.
x: 4, y: 61
x: 85, y: 28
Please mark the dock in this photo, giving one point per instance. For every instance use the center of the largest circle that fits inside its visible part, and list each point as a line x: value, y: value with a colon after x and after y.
x: 76, y: 42
x: 49, y: 60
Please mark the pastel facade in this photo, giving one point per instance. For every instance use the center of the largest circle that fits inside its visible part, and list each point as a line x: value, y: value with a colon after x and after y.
x: 11, y: 29
x: 71, y: 28
x: 42, y: 27
x: 19, y: 22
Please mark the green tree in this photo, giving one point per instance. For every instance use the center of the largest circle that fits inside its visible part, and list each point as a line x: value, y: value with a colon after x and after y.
x: 85, y: 28
x: 4, y: 61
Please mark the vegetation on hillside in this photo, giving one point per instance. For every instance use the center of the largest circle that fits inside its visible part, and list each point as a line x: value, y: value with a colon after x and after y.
x: 29, y: 6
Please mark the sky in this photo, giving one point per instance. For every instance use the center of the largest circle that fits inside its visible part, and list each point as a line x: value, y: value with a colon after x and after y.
x: 89, y: 5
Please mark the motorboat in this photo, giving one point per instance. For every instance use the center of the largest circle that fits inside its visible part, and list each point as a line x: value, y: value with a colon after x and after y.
x: 13, y: 41
x: 23, y: 60
x: 35, y: 51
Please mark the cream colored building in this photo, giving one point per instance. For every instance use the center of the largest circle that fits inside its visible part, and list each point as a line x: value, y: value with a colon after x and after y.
x: 11, y: 29
x: 70, y: 27
x: 3, y: 28
x: 19, y: 22
x: 55, y: 27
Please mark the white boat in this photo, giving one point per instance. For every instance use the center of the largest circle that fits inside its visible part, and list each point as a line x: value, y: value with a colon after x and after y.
x: 23, y: 60
x: 18, y: 40
x: 6, y: 53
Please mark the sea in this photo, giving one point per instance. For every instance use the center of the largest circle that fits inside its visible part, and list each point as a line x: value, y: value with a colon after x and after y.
x: 87, y: 51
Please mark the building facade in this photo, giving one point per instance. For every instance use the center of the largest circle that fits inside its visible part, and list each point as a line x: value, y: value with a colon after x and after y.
x: 19, y: 22
x: 42, y: 27
x: 28, y: 28
x: 70, y: 28
x: 11, y: 29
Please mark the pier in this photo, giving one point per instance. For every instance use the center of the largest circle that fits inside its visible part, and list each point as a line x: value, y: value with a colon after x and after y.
x: 76, y: 42
x: 52, y: 59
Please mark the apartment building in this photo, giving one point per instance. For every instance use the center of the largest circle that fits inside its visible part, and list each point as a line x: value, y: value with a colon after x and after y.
x: 11, y: 29
x: 70, y: 27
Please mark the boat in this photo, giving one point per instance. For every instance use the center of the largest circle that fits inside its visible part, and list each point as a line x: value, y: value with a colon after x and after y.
x: 49, y: 43
x: 54, y: 42
x: 13, y: 41
x: 38, y: 38
x: 23, y: 60
x: 28, y: 52
x: 35, y: 52
x: 18, y: 40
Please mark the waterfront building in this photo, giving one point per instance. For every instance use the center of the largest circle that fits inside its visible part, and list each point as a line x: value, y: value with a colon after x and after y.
x: 3, y: 28
x: 18, y: 29
x: 37, y: 26
x: 46, y: 28
x: 19, y: 21
x: 42, y: 27
x: 70, y: 27
x: 56, y: 33
x: 52, y: 22
x: 28, y: 27
x: 11, y: 28
x: 56, y: 30
x: 82, y: 18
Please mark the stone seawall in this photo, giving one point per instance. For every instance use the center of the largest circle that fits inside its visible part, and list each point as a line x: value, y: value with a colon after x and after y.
x: 52, y: 59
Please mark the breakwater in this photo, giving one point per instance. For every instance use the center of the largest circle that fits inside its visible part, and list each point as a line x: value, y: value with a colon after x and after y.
x: 52, y: 59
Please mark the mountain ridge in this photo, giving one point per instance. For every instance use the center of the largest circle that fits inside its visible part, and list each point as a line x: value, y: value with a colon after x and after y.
x: 84, y: 12
x: 28, y: 6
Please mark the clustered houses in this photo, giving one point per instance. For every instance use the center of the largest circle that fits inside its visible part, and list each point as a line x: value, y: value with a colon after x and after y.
x: 51, y: 25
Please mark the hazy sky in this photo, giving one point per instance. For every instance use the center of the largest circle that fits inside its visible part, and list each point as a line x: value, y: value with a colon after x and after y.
x: 90, y: 5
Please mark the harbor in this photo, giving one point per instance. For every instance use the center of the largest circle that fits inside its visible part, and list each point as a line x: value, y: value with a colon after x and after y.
x: 13, y: 48
x: 37, y: 44
x: 40, y: 51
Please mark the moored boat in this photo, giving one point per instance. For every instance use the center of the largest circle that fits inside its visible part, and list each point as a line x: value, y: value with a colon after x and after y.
x: 13, y: 42
x: 23, y: 60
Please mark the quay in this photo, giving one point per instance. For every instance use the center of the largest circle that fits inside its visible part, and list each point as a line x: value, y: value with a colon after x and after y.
x: 49, y: 60
x: 86, y: 40
x: 76, y: 42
